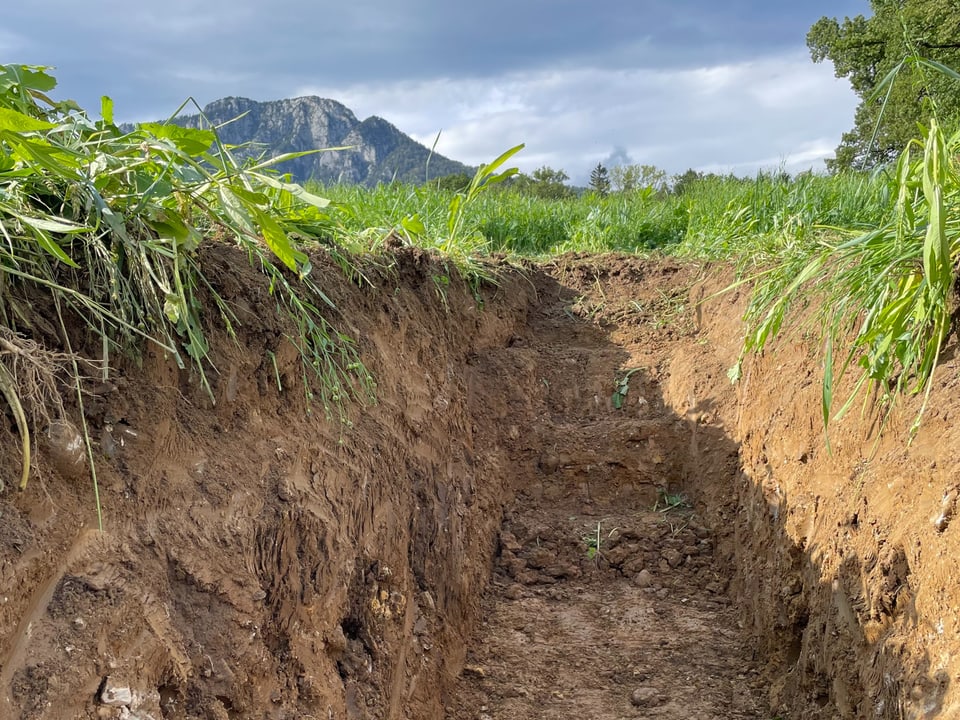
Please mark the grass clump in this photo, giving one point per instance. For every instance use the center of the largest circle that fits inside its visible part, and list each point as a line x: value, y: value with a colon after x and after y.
x: 882, y: 299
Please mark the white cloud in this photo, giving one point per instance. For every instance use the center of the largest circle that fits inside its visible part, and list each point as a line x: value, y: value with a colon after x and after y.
x: 773, y: 111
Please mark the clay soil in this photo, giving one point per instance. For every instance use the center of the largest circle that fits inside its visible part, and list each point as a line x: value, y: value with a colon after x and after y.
x: 497, y: 536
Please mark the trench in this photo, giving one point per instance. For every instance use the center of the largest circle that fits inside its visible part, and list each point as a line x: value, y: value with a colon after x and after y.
x: 500, y: 536
x: 609, y: 596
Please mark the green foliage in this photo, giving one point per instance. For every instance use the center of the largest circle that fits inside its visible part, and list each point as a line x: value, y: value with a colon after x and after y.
x: 600, y: 180
x: 770, y: 217
x: 629, y: 178
x: 891, y: 287
x: 685, y: 180
x: 457, y: 182
x: 885, y: 58
x: 545, y: 183
x: 622, y: 387
x: 715, y: 217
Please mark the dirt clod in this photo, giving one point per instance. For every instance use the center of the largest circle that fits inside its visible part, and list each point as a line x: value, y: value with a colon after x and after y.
x: 644, y: 697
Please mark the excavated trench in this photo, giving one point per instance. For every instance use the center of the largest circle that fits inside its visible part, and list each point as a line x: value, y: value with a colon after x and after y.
x: 499, y: 536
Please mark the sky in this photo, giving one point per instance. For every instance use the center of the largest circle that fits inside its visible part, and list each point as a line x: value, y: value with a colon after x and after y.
x: 714, y: 86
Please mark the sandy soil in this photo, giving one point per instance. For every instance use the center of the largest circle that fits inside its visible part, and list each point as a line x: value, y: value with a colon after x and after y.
x: 439, y: 557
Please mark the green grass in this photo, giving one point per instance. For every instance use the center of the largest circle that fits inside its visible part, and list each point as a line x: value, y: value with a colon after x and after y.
x: 715, y: 217
x: 880, y: 299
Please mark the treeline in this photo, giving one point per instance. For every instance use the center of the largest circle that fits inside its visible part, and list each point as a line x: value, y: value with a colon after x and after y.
x: 547, y: 183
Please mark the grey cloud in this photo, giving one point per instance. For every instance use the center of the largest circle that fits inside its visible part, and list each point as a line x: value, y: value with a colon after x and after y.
x: 618, y: 156
x: 269, y: 49
x: 667, y: 82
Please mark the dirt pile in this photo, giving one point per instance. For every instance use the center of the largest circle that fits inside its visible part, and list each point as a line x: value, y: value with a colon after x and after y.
x: 262, y: 562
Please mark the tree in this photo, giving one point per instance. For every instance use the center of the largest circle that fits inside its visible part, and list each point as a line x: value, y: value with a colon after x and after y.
x: 627, y: 178
x: 682, y: 183
x: 600, y: 180
x: 893, y: 44
x: 455, y: 182
x: 547, y: 183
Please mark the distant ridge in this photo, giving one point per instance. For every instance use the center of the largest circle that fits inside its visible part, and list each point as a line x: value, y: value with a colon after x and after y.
x: 382, y: 152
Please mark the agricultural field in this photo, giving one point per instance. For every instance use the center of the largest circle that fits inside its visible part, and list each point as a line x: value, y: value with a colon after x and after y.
x: 275, y: 450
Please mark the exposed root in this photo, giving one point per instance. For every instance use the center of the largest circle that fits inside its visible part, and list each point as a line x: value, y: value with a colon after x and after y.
x: 30, y: 380
x: 9, y: 390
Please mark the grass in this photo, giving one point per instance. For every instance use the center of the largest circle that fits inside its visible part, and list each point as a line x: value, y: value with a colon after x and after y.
x: 667, y: 501
x: 881, y: 299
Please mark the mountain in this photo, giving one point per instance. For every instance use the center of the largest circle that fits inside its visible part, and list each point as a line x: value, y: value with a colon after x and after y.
x: 382, y: 153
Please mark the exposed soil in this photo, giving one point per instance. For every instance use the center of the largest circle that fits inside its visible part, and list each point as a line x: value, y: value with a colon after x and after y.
x: 493, y: 538
x: 607, y: 600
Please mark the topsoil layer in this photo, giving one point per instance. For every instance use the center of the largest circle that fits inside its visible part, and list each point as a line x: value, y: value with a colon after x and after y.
x: 495, y: 537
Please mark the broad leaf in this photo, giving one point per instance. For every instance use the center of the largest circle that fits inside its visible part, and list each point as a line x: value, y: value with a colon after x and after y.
x: 20, y: 123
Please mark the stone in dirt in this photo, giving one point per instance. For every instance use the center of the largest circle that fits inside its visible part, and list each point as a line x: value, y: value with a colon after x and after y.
x: 673, y: 557
x: 644, y: 578
x: 645, y: 697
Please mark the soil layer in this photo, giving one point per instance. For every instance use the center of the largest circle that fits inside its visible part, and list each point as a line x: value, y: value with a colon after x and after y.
x: 499, y: 535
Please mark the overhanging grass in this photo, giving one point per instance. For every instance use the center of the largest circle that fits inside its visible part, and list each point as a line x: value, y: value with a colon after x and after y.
x: 886, y: 294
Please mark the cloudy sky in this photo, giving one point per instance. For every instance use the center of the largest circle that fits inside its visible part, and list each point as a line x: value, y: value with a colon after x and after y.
x: 716, y: 86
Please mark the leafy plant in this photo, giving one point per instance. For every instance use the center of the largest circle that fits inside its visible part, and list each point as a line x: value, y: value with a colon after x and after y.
x: 622, y: 388
x: 891, y: 287
x: 593, y: 542
x: 667, y: 501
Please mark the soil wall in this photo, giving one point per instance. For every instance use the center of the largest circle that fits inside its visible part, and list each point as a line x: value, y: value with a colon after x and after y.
x: 258, y: 560
x: 846, y: 561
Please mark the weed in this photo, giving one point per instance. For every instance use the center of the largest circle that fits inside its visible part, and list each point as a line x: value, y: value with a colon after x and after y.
x: 594, y: 541
x: 107, y: 225
x: 667, y: 501
x: 890, y: 289
x: 622, y: 388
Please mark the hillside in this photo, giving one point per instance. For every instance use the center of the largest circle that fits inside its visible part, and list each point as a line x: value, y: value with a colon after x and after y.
x: 382, y: 152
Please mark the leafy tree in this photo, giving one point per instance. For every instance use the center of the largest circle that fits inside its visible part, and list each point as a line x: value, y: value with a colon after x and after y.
x: 455, y: 182
x: 682, y: 183
x: 600, y: 180
x: 545, y: 182
x: 887, y: 58
x: 627, y: 178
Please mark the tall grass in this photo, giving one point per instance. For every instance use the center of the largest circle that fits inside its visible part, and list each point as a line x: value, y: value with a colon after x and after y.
x: 882, y: 298
x: 760, y: 220
x: 715, y: 217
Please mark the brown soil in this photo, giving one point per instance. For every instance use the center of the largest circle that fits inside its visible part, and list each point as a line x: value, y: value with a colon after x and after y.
x: 493, y: 538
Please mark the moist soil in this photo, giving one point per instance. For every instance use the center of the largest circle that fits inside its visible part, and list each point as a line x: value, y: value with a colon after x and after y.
x: 499, y: 535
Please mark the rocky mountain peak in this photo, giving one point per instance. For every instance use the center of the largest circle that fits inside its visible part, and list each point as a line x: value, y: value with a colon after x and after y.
x: 380, y: 152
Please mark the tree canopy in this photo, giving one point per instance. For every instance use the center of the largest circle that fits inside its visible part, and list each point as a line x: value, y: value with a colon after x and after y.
x: 891, y: 46
x: 545, y: 182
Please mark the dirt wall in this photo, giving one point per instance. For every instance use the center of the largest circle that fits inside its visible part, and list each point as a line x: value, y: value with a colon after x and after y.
x: 845, y: 562
x: 259, y: 560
